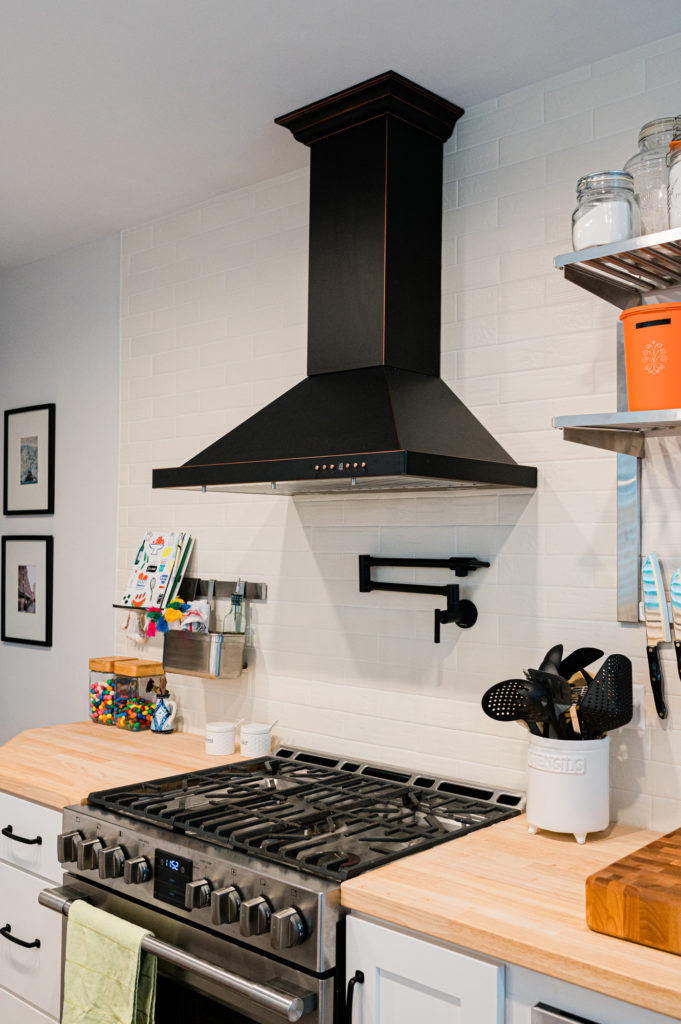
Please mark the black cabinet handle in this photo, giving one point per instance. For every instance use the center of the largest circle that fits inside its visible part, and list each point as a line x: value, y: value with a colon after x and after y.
x: 7, y: 831
x: 6, y: 934
x: 358, y: 979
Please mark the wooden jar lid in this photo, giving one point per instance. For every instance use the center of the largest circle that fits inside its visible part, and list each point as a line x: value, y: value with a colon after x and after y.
x: 106, y: 664
x: 136, y: 667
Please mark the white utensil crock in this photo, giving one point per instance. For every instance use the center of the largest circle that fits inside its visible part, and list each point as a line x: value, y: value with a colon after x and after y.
x: 256, y: 739
x: 568, y: 785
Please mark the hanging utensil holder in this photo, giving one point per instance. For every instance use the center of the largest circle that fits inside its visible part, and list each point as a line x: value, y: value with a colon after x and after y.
x: 212, y: 655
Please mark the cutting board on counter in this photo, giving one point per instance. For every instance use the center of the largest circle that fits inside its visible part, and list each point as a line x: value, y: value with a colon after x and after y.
x: 639, y: 897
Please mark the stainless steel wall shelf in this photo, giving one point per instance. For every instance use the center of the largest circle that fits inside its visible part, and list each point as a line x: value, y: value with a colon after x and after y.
x: 630, y: 273
x: 624, y: 272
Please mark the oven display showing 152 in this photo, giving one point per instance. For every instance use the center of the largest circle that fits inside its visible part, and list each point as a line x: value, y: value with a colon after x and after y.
x: 171, y: 874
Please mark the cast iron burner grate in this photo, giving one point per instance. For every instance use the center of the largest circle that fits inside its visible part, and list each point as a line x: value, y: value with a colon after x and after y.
x: 320, y: 815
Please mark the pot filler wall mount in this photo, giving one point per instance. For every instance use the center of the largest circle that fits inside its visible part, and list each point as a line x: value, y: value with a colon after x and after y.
x: 373, y: 413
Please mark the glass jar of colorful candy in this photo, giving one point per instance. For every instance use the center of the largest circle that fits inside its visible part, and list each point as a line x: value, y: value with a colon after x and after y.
x: 115, y: 685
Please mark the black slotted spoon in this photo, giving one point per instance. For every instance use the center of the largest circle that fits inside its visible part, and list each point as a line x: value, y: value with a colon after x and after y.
x: 516, y: 700
x: 608, y: 703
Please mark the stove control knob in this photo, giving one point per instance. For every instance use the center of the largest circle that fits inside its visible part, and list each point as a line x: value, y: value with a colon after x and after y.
x: 197, y: 894
x: 111, y: 861
x: 67, y: 847
x: 87, y: 854
x: 136, y: 870
x: 255, y: 915
x: 225, y: 905
x: 288, y: 929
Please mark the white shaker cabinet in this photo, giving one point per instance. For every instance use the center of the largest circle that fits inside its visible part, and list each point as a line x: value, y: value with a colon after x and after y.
x: 409, y: 980
x: 30, y: 935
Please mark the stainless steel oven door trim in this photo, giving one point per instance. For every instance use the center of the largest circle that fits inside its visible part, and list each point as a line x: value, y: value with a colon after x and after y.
x: 290, y: 1007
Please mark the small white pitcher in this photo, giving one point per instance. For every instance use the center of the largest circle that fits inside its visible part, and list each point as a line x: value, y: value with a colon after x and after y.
x: 568, y: 786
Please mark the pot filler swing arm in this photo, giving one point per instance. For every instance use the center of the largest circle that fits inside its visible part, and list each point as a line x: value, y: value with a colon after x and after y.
x: 459, y: 610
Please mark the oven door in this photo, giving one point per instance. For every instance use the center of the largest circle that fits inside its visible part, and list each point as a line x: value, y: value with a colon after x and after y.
x: 207, y: 979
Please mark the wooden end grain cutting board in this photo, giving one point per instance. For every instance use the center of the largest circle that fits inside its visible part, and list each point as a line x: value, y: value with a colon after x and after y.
x: 639, y: 897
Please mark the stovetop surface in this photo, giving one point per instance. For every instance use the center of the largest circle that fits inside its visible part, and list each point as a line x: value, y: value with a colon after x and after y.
x: 321, y: 815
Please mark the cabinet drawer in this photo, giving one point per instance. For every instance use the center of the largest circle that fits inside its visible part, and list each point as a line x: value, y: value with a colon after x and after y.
x: 34, y: 974
x: 27, y: 820
x: 15, y: 1011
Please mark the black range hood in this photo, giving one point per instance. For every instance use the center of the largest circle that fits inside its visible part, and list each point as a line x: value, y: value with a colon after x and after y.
x: 373, y: 413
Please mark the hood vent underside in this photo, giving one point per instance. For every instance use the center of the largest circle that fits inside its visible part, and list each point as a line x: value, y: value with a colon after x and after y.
x: 373, y: 413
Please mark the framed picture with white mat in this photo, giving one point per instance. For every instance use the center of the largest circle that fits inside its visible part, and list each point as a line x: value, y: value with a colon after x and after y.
x: 26, y: 590
x: 29, y: 461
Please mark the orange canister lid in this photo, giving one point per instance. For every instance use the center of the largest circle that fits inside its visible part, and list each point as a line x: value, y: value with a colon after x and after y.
x: 106, y: 664
x: 652, y: 310
x: 137, y: 667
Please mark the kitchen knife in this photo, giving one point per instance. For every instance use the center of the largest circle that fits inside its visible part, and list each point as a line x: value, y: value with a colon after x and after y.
x: 657, y: 626
x: 675, y: 590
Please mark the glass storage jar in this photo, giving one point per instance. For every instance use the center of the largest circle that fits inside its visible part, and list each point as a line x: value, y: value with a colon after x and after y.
x: 650, y: 172
x: 606, y: 209
x: 103, y: 689
x: 675, y: 180
x: 115, y: 697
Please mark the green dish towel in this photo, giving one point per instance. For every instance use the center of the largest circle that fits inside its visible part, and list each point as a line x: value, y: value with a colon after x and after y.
x: 107, y: 977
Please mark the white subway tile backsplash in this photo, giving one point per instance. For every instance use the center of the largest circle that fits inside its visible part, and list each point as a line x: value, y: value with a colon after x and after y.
x: 546, y: 137
x: 220, y: 291
x: 609, y: 87
x: 474, y: 129
x: 663, y: 69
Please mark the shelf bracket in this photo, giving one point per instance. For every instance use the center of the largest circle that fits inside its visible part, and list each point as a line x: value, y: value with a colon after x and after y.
x: 625, y: 442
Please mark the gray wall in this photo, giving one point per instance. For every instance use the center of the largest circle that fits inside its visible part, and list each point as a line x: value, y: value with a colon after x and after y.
x: 59, y: 342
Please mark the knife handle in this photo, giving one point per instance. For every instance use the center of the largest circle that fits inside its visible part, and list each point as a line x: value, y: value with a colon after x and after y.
x: 656, y: 680
x: 677, y: 648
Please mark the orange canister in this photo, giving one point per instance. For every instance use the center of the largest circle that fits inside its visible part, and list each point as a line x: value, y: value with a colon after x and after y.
x: 652, y: 355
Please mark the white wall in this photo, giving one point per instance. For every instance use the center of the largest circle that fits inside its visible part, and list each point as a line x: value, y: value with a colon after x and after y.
x: 214, y: 327
x: 59, y: 342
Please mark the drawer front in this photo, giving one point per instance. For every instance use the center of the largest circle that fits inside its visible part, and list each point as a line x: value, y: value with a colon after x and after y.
x: 33, y: 974
x: 15, y: 1011
x: 21, y: 819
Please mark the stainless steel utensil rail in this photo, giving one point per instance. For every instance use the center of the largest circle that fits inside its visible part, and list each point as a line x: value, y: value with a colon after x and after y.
x: 289, y: 1007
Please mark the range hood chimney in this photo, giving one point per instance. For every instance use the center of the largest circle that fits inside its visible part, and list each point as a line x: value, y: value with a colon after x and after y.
x: 373, y: 413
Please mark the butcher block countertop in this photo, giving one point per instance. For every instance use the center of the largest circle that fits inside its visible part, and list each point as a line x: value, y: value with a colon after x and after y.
x: 521, y: 898
x: 60, y: 764
x: 499, y: 891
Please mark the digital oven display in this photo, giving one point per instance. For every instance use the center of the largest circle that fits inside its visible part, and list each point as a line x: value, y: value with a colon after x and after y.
x: 171, y: 875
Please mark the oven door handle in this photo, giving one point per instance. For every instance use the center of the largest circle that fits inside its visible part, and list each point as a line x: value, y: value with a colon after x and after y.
x: 290, y: 1007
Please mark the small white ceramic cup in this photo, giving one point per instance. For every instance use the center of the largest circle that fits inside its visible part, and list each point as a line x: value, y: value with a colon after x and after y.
x: 568, y: 785
x: 256, y: 739
x: 220, y: 737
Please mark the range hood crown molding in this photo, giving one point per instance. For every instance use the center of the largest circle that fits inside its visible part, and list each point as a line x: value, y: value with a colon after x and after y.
x: 373, y: 412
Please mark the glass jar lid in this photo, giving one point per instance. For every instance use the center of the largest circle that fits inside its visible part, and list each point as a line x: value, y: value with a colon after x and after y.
x: 605, y: 181
x: 659, y: 125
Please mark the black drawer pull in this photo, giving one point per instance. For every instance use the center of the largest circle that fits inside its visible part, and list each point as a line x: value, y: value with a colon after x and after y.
x: 6, y: 933
x: 7, y: 831
x: 357, y: 979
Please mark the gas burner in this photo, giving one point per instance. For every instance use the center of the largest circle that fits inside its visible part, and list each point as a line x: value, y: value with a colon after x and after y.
x: 319, y: 814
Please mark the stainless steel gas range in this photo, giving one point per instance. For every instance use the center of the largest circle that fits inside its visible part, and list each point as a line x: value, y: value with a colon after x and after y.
x: 237, y: 870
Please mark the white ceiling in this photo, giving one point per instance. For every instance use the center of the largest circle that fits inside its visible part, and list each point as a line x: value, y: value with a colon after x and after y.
x: 119, y: 111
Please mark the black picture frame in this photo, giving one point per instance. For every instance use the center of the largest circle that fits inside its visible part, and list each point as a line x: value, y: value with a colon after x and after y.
x: 39, y: 630
x: 45, y: 455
